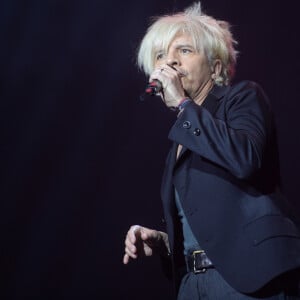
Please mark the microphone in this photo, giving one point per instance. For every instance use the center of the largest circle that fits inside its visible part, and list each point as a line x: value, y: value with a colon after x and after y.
x: 154, y: 87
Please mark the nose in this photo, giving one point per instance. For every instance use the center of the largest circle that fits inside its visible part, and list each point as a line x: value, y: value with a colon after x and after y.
x: 172, y: 60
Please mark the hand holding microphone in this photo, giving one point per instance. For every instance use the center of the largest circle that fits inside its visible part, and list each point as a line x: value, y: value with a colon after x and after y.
x: 166, y: 81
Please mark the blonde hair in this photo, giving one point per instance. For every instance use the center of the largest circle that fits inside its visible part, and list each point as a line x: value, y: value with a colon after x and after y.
x: 211, y: 36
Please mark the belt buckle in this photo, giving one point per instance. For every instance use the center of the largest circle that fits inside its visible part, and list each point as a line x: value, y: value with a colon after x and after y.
x: 196, y: 271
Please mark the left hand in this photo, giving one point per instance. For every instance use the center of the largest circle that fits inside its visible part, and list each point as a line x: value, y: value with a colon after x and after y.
x: 142, y: 241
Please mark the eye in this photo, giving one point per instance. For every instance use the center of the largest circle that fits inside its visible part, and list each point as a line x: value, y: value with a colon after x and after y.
x: 160, y: 56
x: 185, y: 50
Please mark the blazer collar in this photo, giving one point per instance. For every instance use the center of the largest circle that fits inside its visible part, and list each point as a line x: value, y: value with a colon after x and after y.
x: 211, y: 101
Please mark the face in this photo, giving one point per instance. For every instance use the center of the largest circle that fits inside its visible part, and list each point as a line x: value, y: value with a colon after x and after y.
x: 192, y: 65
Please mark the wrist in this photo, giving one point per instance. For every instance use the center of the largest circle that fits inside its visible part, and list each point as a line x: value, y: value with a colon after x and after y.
x: 183, y: 102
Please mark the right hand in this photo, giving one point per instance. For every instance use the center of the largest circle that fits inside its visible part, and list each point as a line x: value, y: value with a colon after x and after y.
x: 170, y: 78
x: 142, y: 241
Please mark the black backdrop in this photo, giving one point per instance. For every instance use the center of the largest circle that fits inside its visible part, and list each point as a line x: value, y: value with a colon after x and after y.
x: 81, y: 156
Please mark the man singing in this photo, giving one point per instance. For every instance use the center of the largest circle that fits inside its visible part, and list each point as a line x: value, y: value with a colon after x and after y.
x: 228, y: 233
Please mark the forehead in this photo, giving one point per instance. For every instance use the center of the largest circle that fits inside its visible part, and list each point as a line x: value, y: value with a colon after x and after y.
x: 180, y: 39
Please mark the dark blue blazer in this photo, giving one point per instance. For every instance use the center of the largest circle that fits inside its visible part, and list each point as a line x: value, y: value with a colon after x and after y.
x: 227, y: 176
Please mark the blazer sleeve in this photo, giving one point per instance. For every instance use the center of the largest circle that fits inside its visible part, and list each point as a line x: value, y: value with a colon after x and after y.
x: 235, y: 137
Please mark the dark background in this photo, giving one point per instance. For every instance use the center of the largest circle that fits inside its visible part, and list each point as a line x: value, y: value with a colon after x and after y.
x: 82, y: 156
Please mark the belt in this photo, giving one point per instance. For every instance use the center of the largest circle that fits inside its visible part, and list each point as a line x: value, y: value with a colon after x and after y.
x: 198, y: 262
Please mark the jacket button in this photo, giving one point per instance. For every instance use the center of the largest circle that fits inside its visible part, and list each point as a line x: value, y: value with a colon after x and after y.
x: 186, y: 124
x: 197, y: 131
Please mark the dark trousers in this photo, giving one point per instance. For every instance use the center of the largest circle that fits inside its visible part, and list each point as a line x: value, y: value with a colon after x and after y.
x: 210, y: 285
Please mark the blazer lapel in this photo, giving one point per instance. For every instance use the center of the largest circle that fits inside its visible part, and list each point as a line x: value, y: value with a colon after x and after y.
x: 211, y: 104
x: 167, y: 191
x: 167, y: 184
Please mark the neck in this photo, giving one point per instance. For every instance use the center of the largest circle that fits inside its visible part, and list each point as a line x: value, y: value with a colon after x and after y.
x: 204, y: 92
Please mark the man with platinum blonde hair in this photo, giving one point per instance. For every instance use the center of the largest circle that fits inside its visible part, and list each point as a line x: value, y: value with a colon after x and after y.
x: 209, y: 35
x: 228, y: 231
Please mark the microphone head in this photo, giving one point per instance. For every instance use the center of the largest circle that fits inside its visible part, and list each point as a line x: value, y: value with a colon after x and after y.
x: 154, y: 87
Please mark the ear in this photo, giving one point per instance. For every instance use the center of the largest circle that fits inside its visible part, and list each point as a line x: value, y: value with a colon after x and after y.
x: 216, y: 68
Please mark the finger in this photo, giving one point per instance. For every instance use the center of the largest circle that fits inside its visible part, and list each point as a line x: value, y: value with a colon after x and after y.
x: 147, y: 234
x: 166, y: 70
x: 156, y: 75
x: 133, y: 232
x: 136, y: 228
x: 126, y: 259
x: 131, y: 247
x: 130, y: 254
x: 160, y: 72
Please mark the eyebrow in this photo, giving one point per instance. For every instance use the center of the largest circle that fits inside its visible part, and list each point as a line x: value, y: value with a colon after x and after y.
x: 185, y: 46
x: 161, y: 51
